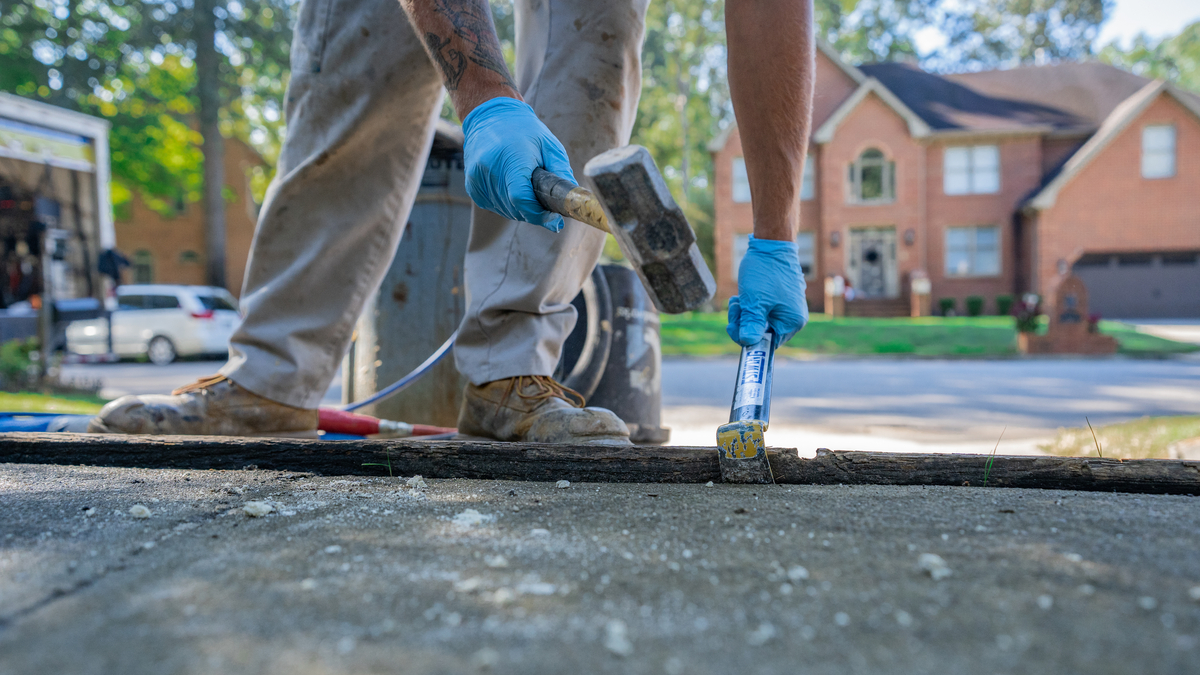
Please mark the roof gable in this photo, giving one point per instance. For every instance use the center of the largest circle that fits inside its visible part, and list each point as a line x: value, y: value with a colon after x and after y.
x: 916, y: 126
x: 1120, y: 119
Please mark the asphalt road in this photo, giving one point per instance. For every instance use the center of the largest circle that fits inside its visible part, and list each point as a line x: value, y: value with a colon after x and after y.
x: 873, y: 404
x: 368, y: 576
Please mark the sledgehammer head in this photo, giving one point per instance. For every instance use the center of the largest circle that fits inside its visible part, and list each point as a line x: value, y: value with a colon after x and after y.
x: 652, y: 231
x: 743, y: 452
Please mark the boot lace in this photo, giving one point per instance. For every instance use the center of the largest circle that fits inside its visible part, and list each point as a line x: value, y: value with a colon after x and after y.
x: 200, y: 384
x: 545, y: 388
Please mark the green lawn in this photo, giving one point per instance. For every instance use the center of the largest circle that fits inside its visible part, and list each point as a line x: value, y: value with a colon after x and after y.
x: 699, y: 334
x: 1148, y: 437
x: 68, y: 405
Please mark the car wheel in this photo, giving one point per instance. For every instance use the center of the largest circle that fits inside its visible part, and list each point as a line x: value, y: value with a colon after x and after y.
x: 161, y: 351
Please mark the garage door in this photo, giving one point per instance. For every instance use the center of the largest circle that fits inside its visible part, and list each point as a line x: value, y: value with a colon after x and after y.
x: 1160, y: 285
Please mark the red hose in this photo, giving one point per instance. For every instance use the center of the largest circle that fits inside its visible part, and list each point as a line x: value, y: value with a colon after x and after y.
x: 341, y: 422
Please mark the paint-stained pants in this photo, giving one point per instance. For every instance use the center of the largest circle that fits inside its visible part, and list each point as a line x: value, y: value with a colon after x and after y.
x: 361, y: 108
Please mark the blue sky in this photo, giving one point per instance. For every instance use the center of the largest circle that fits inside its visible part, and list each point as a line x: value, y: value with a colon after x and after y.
x: 1156, y: 18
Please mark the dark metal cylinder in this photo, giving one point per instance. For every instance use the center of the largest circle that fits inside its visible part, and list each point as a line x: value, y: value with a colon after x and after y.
x: 632, y: 383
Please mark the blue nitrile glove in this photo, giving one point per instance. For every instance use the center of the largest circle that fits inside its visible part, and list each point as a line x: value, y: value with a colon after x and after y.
x: 770, y: 292
x: 504, y: 143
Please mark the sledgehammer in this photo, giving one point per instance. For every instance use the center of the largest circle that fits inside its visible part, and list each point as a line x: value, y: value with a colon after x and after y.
x: 740, y: 444
x: 635, y: 206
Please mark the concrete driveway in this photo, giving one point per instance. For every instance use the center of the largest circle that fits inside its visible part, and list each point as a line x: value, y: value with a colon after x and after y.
x: 936, y: 406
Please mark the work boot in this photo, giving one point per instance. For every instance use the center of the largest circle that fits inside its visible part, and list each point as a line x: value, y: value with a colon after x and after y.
x: 536, y: 409
x: 211, y: 406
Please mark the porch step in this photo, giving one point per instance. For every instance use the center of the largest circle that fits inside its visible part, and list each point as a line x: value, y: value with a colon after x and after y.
x: 878, y: 307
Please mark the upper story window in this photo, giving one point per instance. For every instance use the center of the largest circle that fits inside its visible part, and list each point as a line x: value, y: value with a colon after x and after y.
x: 741, y: 182
x: 808, y: 182
x: 143, y: 267
x: 973, y: 251
x: 806, y: 245
x: 971, y: 170
x: 1158, y: 151
x: 872, y: 178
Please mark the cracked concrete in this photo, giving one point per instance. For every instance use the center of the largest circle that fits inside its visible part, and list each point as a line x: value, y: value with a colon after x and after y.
x: 369, y: 575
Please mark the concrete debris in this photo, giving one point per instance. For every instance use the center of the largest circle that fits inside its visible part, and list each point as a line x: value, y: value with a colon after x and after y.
x: 1194, y: 593
x: 470, y: 518
x: 842, y: 619
x: 539, y: 532
x: 797, y: 573
x: 89, y: 511
x: 257, y: 509
x: 536, y: 588
x: 416, y: 483
x: 1147, y: 603
x: 903, y: 618
x: 761, y: 635
x: 139, y: 511
x: 333, y: 549
x: 563, y: 484
x: 495, y: 561
x: 708, y: 484
x: 308, y: 584
x: 502, y: 596
x: 468, y: 585
x: 934, y: 566
x: 616, y: 638
x: 485, y: 659
x: 1045, y: 602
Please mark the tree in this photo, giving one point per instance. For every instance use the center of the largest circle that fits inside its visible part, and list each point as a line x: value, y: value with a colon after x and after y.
x: 866, y: 31
x: 173, y: 77
x: 996, y: 33
x: 1173, y: 58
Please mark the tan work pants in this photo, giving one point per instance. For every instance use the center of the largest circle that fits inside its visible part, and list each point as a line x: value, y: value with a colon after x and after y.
x: 361, y: 108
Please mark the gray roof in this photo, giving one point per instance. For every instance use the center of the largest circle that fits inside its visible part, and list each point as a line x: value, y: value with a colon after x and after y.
x: 1065, y: 97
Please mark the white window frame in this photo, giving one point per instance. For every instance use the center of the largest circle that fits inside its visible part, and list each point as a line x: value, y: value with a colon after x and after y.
x: 739, y: 184
x: 888, y: 170
x: 806, y: 248
x: 973, y: 268
x: 1154, y: 150
x: 808, y: 181
x: 975, y: 177
x: 741, y: 244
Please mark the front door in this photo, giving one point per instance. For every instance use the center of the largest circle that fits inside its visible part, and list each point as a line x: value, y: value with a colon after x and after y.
x: 871, y: 267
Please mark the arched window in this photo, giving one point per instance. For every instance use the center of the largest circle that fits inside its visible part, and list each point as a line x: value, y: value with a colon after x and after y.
x: 143, y: 267
x: 872, y: 178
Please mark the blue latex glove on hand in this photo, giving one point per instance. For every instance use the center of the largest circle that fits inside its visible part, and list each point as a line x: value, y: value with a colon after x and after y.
x: 770, y: 293
x: 504, y: 143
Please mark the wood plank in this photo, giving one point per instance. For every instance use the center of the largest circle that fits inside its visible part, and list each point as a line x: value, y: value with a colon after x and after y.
x: 582, y: 463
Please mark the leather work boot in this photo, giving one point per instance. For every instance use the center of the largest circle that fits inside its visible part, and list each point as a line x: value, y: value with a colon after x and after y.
x: 536, y: 409
x: 211, y: 406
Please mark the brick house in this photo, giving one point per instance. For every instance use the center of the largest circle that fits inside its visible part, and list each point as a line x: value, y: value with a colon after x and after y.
x: 990, y: 184
x: 171, y: 249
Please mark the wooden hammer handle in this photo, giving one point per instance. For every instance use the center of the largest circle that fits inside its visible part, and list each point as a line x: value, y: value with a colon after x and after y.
x: 567, y: 199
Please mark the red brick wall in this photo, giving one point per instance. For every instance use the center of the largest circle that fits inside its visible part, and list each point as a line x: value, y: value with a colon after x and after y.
x: 871, y: 124
x: 833, y: 87
x: 167, y: 238
x: 1108, y: 206
x: 1020, y: 174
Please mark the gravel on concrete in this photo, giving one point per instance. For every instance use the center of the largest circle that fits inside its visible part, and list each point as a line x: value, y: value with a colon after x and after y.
x: 370, y: 575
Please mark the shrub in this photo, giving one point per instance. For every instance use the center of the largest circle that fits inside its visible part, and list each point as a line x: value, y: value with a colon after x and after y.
x: 946, y: 305
x: 15, y: 363
x: 1027, y: 313
x: 1004, y: 304
x: 974, y: 305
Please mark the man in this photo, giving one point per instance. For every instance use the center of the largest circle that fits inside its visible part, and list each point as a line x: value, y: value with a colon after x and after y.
x: 367, y: 83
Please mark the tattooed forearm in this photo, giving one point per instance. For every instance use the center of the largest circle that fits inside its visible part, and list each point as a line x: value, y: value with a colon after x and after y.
x: 458, y: 32
x: 450, y: 60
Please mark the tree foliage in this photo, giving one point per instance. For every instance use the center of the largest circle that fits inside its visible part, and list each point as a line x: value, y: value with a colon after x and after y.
x: 1005, y: 33
x: 133, y: 62
x: 1175, y: 58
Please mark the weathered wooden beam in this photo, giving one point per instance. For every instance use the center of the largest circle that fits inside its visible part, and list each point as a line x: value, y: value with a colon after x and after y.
x: 585, y: 463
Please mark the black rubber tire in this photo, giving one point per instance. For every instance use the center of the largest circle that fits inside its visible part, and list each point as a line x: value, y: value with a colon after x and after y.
x: 161, y: 351
x: 585, y: 352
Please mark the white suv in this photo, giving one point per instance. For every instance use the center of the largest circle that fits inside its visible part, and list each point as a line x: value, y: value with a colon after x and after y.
x: 161, y: 322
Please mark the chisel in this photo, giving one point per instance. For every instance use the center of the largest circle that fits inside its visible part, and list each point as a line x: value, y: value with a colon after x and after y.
x: 740, y: 443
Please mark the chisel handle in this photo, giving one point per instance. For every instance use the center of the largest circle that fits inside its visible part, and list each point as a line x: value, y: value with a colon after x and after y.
x: 752, y: 392
x: 568, y: 199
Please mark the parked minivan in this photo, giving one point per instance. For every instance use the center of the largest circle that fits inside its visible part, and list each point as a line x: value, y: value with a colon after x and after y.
x: 161, y: 322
